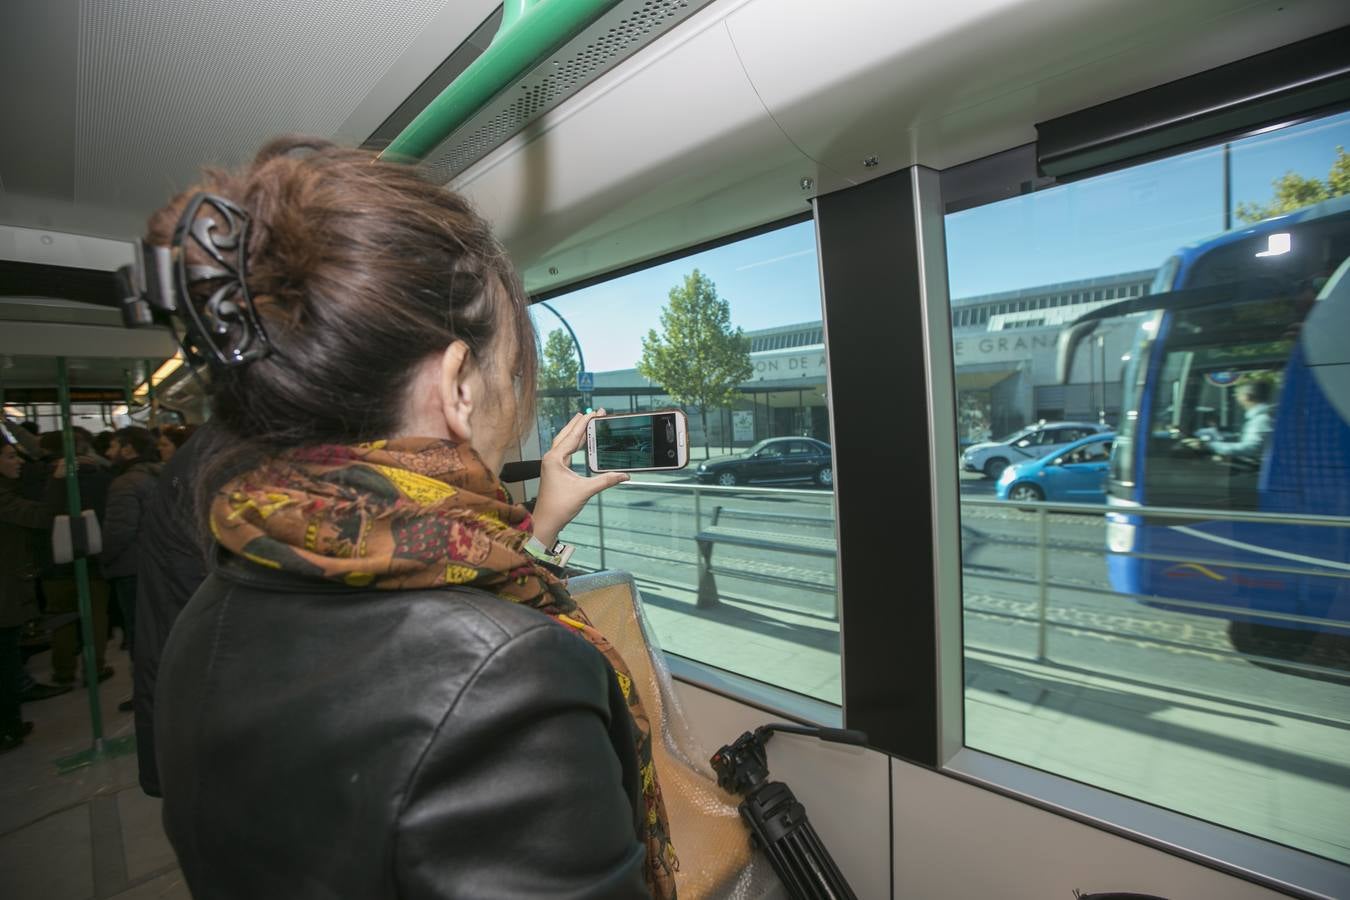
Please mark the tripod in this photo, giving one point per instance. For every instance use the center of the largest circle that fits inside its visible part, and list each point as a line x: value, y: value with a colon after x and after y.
x: 777, y: 819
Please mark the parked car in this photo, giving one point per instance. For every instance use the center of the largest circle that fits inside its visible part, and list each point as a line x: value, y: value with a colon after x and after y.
x: 1032, y: 442
x: 1075, y: 474
x: 774, y: 459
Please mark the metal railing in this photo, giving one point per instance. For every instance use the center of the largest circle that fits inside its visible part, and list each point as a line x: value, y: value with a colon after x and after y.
x: 707, y: 502
x: 1041, y: 511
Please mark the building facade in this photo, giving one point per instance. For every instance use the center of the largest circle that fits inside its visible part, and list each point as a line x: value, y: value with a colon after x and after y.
x: 1004, y: 346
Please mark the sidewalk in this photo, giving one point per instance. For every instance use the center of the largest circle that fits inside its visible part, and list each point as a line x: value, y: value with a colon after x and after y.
x: 90, y: 834
x: 1278, y: 773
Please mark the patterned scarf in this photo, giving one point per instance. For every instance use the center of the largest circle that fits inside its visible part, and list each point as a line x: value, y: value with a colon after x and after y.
x: 418, y: 513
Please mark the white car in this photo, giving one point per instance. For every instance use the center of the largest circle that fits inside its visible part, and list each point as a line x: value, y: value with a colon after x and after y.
x: 1032, y: 442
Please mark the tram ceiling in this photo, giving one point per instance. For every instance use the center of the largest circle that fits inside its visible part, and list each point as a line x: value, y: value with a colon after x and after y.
x: 120, y: 102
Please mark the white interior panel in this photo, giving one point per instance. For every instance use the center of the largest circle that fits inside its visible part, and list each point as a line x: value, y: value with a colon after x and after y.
x: 955, y: 841
x: 843, y: 788
x: 60, y: 339
x: 710, y: 130
x: 641, y: 164
x: 55, y: 248
x: 941, y: 84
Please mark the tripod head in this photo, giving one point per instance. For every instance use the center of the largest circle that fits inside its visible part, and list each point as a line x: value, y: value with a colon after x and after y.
x: 777, y: 821
x: 743, y: 765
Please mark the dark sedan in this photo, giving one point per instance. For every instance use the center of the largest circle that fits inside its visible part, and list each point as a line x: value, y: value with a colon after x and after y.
x: 773, y: 460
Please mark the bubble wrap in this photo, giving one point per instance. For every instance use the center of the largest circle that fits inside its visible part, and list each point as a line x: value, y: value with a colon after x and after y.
x: 717, y: 861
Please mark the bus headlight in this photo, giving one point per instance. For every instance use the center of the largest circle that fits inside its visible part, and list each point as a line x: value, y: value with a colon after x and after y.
x: 1119, y: 536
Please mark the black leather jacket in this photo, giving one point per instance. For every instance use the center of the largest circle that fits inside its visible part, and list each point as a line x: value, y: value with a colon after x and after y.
x: 320, y: 741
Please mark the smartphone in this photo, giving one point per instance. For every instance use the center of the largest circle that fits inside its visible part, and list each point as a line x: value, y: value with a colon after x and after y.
x: 638, y: 442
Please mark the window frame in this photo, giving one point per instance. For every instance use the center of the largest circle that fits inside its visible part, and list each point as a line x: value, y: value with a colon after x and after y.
x: 1237, y: 853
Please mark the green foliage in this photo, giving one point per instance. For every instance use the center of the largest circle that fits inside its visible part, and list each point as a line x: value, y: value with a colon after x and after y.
x: 558, y: 371
x: 1294, y: 191
x: 698, y: 359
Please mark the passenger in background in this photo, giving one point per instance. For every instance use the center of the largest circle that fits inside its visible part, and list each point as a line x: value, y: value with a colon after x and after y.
x: 171, y: 437
x: 1258, y: 424
x: 58, y: 581
x: 103, y: 445
x: 383, y: 689
x: 171, y: 565
x: 136, y: 461
x: 19, y: 519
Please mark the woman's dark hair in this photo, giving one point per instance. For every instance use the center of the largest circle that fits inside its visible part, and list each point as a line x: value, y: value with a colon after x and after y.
x: 53, y: 443
x: 178, y: 434
x: 360, y: 270
x: 138, y: 439
x: 102, y: 441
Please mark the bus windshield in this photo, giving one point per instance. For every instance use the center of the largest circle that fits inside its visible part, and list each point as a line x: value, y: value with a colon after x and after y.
x: 1213, y: 386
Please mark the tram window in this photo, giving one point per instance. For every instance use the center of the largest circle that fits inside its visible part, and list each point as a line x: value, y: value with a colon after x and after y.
x: 769, y: 609
x: 1173, y: 647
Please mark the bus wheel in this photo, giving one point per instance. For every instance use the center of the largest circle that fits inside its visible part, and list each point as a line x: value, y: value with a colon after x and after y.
x: 1269, y: 640
x: 1266, y: 645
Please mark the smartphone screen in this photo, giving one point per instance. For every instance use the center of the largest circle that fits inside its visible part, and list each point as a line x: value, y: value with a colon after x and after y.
x: 635, y: 441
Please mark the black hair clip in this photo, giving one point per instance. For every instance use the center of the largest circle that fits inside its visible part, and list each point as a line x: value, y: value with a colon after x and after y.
x: 225, y: 329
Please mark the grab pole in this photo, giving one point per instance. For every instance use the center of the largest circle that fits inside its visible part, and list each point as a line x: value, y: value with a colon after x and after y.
x: 91, y: 672
x: 530, y: 30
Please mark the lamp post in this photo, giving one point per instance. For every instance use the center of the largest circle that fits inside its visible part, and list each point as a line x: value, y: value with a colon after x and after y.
x: 581, y: 359
x: 1101, y: 351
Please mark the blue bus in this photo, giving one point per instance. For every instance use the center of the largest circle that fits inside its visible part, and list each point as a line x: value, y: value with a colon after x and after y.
x: 1237, y: 398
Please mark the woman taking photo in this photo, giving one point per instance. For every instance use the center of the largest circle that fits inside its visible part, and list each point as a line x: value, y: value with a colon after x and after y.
x: 383, y: 689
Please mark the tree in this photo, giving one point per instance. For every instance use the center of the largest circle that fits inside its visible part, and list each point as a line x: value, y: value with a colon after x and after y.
x: 1294, y: 191
x: 558, y: 371
x: 698, y: 359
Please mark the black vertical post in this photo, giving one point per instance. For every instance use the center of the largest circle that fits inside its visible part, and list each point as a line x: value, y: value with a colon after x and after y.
x: 1227, y: 186
x: 871, y: 278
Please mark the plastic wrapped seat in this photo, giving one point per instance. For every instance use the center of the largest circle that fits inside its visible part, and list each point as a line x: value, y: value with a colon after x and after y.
x: 713, y: 844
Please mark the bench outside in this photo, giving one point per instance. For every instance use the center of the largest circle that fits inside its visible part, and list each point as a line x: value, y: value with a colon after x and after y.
x: 706, y: 539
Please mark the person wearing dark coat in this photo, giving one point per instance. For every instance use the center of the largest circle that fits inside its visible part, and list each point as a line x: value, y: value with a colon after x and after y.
x: 383, y: 687
x: 137, y: 460
x: 171, y: 565
x: 19, y: 519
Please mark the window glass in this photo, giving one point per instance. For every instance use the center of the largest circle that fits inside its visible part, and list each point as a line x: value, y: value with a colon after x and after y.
x: 735, y: 554
x: 1097, y: 451
x: 1189, y: 643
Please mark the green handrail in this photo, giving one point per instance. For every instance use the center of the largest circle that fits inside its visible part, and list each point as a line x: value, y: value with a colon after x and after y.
x: 530, y: 30
x: 91, y: 672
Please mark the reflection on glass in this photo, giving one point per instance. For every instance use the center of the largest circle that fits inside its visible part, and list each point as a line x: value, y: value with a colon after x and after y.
x: 1188, y: 644
x: 735, y: 554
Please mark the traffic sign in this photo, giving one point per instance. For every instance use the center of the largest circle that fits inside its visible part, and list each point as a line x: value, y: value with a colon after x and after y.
x: 585, y: 382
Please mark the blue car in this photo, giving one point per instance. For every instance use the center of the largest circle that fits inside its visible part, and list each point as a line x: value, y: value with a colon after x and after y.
x: 1076, y: 473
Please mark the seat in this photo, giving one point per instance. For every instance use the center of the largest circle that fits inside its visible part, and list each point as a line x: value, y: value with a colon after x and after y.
x: 710, y: 839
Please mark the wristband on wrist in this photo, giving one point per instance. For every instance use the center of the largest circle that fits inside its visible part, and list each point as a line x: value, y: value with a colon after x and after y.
x: 557, y: 555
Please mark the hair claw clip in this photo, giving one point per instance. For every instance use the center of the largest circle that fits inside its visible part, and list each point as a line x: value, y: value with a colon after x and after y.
x: 225, y: 329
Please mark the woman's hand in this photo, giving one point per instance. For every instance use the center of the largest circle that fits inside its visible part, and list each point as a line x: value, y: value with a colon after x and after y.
x: 562, y: 492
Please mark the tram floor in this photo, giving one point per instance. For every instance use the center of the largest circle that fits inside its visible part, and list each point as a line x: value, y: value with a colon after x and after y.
x: 86, y: 833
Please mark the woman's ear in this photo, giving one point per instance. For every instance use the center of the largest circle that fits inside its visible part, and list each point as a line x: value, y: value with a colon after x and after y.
x: 457, y: 392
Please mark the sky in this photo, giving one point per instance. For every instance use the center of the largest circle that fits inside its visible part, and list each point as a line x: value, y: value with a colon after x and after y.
x: 1121, y: 222
x: 769, y: 280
